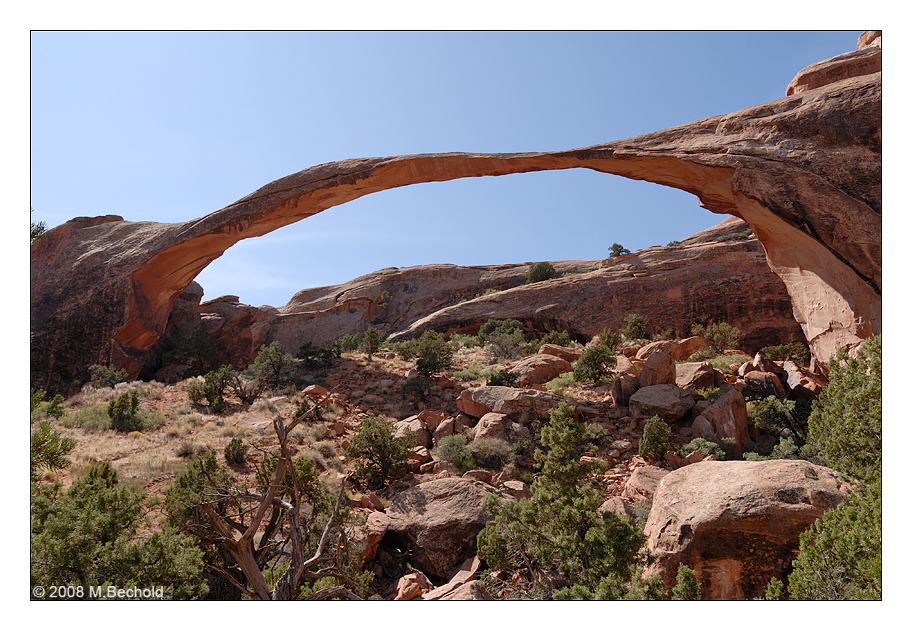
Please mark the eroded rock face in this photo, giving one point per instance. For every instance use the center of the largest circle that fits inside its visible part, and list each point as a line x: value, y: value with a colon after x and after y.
x: 804, y: 171
x: 736, y: 523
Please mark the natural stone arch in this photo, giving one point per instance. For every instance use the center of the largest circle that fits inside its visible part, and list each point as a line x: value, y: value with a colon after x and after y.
x: 803, y: 171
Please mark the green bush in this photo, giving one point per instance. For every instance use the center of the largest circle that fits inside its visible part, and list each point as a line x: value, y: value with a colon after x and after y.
x: 55, y: 407
x: 654, y: 442
x: 560, y: 338
x: 37, y: 396
x: 433, y: 354
x: 124, y: 412
x: 453, y: 449
x: 199, y: 352
x: 845, y: 423
x: 491, y: 453
x: 212, y: 388
x: 106, y: 377
x: 317, y: 356
x: 379, y: 455
x: 618, y: 250
x: 270, y: 363
x: 594, y: 364
x: 236, y: 451
x: 48, y: 450
x: 687, y: 587
x: 795, y: 351
x: 96, y: 534
x: 539, y: 272
x: 502, y: 377
x: 636, y: 327
x: 560, y: 529
x: 704, y: 446
x: 610, y: 340
x: 372, y: 341
x: 718, y: 337
x: 347, y: 343
x: 739, y: 236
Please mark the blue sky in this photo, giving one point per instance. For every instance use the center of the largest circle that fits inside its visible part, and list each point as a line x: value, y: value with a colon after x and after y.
x: 170, y: 126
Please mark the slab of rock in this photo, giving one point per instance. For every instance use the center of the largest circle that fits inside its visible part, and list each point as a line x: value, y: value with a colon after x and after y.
x: 766, y: 383
x: 466, y: 573
x: 521, y: 405
x: 436, y: 522
x: 668, y: 402
x: 642, y: 483
x: 695, y: 375
x: 728, y: 418
x: 538, y: 369
x: 415, y: 424
x: 658, y: 369
x: 736, y: 523
x: 564, y: 352
x: 412, y: 585
x: 496, y: 425
x: 623, y: 387
x: 801, y: 383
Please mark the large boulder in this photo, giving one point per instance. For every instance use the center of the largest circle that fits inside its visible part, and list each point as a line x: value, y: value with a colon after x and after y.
x: 521, y: 405
x: 564, y: 352
x: 695, y: 375
x: 436, y: 522
x: 736, y: 523
x: 658, y: 369
x: 496, y: 425
x: 538, y: 369
x: 668, y: 402
x: 623, y: 387
x: 766, y: 383
x: 728, y: 418
x: 642, y: 483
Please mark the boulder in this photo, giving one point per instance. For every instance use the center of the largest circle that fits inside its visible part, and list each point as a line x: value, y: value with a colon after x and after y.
x: 728, y: 416
x: 618, y: 506
x: 702, y: 428
x: 665, y: 346
x: 659, y: 369
x: 412, y: 586
x: 465, y: 574
x: 517, y: 488
x: 687, y: 347
x: 415, y: 424
x: 368, y: 536
x: 802, y: 384
x: 538, y: 369
x: 766, y: 383
x: 472, y: 590
x: 626, y: 367
x: 669, y: 402
x: 444, y: 429
x: 495, y: 425
x: 623, y: 387
x: 521, y: 405
x: 436, y: 522
x: 642, y: 483
x: 697, y: 375
x: 564, y: 352
x: 736, y: 523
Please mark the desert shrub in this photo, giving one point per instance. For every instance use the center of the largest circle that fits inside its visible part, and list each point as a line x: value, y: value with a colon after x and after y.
x: 841, y: 556
x: 539, y: 272
x: 654, y: 442
x: 379, y: 455
x: 845, y: 423
x: 687, y: 587
x: 494, y: 327
x: 636, y: 327
x: 475, y: 372
x: 738, y: 236
x: 37, y: 396
x: 372, y: 341
x: 718, y: 337
x: 453, y: 449
x: 673, y: 244
x: 793, y: 350
x: 188, y: 448
x: 236, y: 451
x: 96, y: 534
x: 316, y: 356
x: 347, y: 343
x: 55, y: 407
x: 773, y: 416
x: 490, y: 452
x: 618, y: 250
x: 560, y: 382
x: 705, y: 446
x: 433, y: 354
x: 124, y: 412
x: 106, y: 377
x: 93, y: 418
x: 560, y: 530
x: 270, y: 363
x: 212, y: 388
x: 48, y: 450
x: 594, y: 364
x: 502, y: 377
x: 560, y: 338
x: 610, y: 340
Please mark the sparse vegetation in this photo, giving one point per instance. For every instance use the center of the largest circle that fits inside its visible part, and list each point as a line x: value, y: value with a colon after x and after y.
x: 636, y: 327
x: 654, y: 443
x: 539, y: 272
x: 718, y: 337
x: 618, y: 250
x: 236, y: 451
x: 105, y: 376
x: 379, y: 455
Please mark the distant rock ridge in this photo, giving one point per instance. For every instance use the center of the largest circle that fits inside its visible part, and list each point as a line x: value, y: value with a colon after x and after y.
x: 803, y: 171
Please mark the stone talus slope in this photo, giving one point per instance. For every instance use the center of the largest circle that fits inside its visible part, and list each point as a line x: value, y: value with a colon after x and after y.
x: 804, y: 171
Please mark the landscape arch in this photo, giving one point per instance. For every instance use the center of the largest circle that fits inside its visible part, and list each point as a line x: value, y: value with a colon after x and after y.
x: 804, y: 172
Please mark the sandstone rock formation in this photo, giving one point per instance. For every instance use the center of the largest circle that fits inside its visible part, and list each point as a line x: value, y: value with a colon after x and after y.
x: 737, y: 523
x: 435, y: 523
x: 803, y: 171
